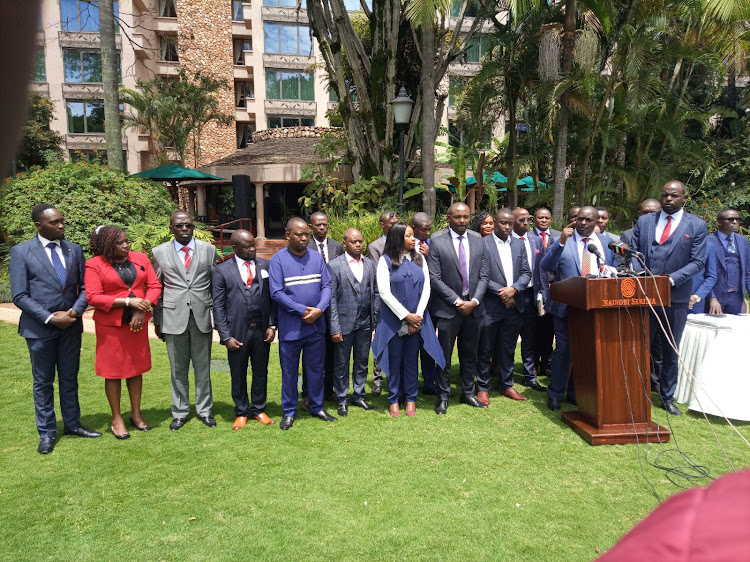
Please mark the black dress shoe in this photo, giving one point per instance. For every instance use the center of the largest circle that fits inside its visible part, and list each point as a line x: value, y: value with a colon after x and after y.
x: 144, y: 428
x: 343, y: 410
x: 377, y: 388
x: 441, y: 407
x: 429, y: 391
x: 176, y: 424
x: 325, y: 416
x: 286, y: 422
x: 669, y: 406
x: 46, y: 445
x: 553, y: 404
x: 534, y: 384
x: 472, y: 401
x: 362, y: 404
x: 122, y: 436
x: 208, y: 420
x: 81, y: 431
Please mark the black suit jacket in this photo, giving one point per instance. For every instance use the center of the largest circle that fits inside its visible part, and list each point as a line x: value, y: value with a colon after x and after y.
x: 445, y: 276
x: 333, y: 249
x: 494, y: 306
x: 230, y: 294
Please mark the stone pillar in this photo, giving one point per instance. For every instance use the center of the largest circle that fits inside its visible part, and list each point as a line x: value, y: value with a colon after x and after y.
x: 260, y: 210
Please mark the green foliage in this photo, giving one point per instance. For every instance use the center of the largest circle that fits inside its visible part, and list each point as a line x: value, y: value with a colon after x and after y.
x: 325, y: 192
x: 87, y: 194
x: 367, y: 194
x: 144, y: 237
x: 39, y: 145
x: 368, y: 224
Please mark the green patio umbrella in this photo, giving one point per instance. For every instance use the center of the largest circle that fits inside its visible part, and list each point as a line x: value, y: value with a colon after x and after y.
x: 174, y: 174
x: 527, y: 184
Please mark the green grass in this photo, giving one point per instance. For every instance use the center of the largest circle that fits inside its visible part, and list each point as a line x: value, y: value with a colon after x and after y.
x: 508, y: 483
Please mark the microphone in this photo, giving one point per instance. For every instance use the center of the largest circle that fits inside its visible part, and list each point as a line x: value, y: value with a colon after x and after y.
x: 594, y: 250
x: 622, y: 249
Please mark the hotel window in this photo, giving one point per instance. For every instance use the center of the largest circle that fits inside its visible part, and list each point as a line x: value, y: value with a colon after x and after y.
x: 282, y: 85
x: 85, y: 117
x: 167, y: 9
x: 278, y: 121
x: 240, y: 46
x: 475, y: 51
x: 40, y: 70
x: 85, y: 66
x: 456, y: 85
x: 79, y: 15
x: 244, y: 135
x: 168, y: 48
x: 471, y: 10
x: 237, y: 10
x: 287, y: 39
x: 243, y: 92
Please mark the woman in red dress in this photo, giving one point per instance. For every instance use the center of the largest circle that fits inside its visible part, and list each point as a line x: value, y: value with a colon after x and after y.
x: 121, y: 286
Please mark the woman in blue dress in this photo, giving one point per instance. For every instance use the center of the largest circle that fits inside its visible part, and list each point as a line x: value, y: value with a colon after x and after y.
x: 404, y: 326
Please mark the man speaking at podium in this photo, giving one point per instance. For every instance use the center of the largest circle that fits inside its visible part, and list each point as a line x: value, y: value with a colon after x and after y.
x: 673, y: 242
x: 571, y: 256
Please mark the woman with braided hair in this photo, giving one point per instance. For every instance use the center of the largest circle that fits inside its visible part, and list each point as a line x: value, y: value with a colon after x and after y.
x: 121, y: 286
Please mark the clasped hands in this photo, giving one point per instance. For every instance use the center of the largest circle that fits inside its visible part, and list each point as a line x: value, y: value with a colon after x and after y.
x: 141, y: 307
x: 508, y: 296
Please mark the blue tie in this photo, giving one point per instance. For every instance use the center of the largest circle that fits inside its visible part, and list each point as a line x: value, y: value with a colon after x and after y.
x: 57, y: 264
x: 731, y: 248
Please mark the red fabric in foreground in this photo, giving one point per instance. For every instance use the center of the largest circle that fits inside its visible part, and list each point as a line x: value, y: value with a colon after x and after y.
x: 697, y: 525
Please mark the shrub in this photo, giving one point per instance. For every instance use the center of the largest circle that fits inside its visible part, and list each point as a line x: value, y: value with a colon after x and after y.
x: 87, y: 194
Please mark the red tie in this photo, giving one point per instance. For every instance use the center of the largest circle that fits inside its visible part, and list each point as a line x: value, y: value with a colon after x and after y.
x: 249, y: 274
x: 544, y: 239
x: 522, y: 238
x: 667, y: 230
x: 188, y: 259
x: 586, y: 265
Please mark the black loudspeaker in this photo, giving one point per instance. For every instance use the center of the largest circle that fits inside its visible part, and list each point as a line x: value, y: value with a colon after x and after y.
x: 243, y: 196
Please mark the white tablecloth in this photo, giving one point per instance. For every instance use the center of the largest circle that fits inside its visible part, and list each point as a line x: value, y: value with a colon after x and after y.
x: 716, y: 351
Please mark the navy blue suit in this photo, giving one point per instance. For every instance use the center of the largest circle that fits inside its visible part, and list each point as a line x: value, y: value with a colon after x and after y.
x: 563, y: 262
x: 37, y: 291
x: 682, y: 257
x: 244, y: 313
x: 731, y: 300
x: 703, y: 283
x: 528, y: 312
x: 427, y: 363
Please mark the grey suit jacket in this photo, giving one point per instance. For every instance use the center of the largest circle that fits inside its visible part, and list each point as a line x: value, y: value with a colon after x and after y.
x: 333, y: 249
x: 494, y: 306
x: 445, y: 276
x: 375, y: 249
x: 342, y: 312
x: 183, y: 289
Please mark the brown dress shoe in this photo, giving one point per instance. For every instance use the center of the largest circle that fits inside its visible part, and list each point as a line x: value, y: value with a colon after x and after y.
x: 264, y: 419
x: 305, y: 405
x: 411, y: 409
x: 239, y: 422
x: 394, y: 410
x: 483, y: 397
x: 513, y: 394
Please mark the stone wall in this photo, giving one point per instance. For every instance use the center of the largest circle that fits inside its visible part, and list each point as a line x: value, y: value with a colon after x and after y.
x: 205, y: 46
x: 293, y: 133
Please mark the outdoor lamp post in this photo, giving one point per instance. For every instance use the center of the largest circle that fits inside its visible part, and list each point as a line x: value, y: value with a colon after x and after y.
x: 402, y: 105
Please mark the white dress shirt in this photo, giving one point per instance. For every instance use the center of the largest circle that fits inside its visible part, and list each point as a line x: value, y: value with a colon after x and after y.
x: 661, y: 224
x: 58, y: 249
x: 593, y: 239
x: 465, y: 241
x: 356, y: 265
x: 243, y: 268
x: 506, y: 258
x: 529, y: 255
x: 190, y: 245
x: 383, y: 277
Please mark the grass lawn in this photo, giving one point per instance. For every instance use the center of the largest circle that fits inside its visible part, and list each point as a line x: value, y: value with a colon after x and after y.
x: 509, y: 483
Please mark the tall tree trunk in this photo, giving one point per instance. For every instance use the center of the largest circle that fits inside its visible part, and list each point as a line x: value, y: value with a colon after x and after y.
x: 429, y: 126
x: 510, y: 155
x: 569, y: 37
x: 112, y: 128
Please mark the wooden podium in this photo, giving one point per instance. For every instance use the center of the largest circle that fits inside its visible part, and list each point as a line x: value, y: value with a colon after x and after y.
x: 609, y: 345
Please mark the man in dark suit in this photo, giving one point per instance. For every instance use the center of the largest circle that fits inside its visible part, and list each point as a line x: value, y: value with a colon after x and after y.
x: 603, y: 223
x: 732, y: 252
x: 421, y: 224
x: 673, y: 243
x: 245, y: 318
x: 328, y: 249
x: 458, y: 281
x: 352, y: 316
x: 509, y: 275
x: 542, y: 220
x: 570, y: 257
x: 534, y: 252
x: 375, y: 251
x: 545, y: 331
x: 46, y: 281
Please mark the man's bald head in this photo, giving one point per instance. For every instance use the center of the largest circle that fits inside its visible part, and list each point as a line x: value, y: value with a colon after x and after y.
x: 294, y: 222
x: 353, y: 242
x: 243, y: 243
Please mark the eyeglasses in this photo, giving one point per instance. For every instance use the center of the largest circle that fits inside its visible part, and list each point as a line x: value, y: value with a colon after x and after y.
x: 730, y: 219
x: 184, y: 225
x: 523, y: 220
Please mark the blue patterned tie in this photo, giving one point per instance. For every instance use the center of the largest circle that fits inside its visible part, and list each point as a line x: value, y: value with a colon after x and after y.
x: 57, y: 264
x: 731, y: 248
x: 463, y: 265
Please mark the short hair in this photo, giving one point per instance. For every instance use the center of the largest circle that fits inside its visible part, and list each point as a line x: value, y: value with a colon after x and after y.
x: 38, y: 211
x: 478, y: 219
x: 504, y: 211
x: 421, y: 219
x: 318, y: 214
x: 292, y: 221
x: 542, y: 209
x: 385, y: 215
x: 598, y: 208
x: 725, y: 210
x: 104, y: 240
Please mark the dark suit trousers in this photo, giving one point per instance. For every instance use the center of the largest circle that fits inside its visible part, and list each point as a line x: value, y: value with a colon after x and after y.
x: 63, y: 353
x: 676, y: 316
x: 498, y: 338
x: 357, y: 342
x: 328, y: 365
x: 312, y: 349
x: 256, y: 351
x: 528, y: 335
x: 545, y: 332
x: 428, y: 371
x: 466, y: 329
x: 560, y: 378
